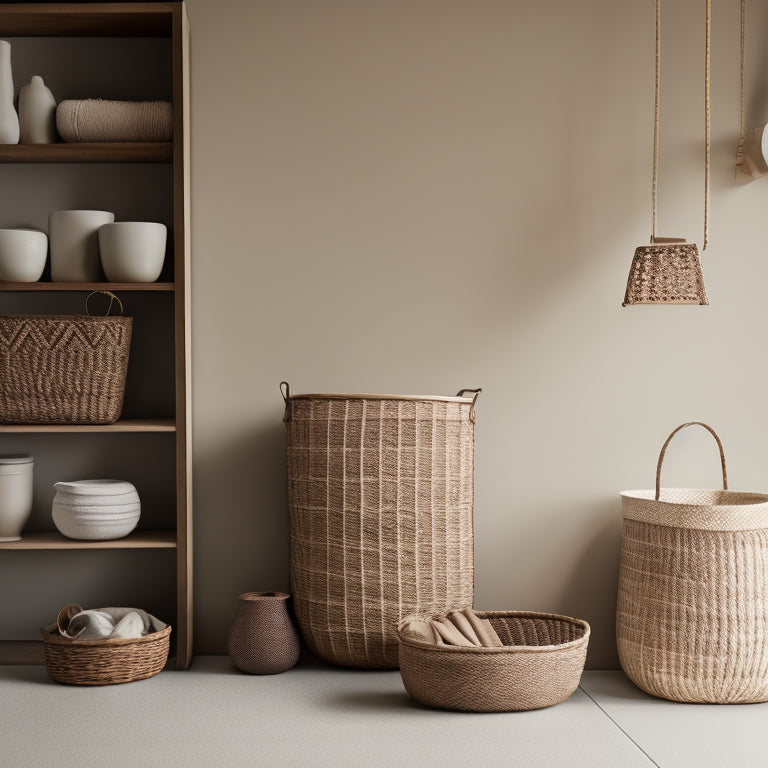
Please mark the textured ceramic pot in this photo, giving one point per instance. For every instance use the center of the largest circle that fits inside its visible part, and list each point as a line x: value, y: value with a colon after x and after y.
x: 263, y: 638
x: 132, y: 251
x: 22, y: 254
x: 37, y: 113
x: 75, y: 245
x: 9, y: 119
x: 97, y: 510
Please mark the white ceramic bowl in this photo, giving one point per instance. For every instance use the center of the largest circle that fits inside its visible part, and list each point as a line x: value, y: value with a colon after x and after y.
x: 23, y: 253
x: 132, y: 251
x: 96, y: 510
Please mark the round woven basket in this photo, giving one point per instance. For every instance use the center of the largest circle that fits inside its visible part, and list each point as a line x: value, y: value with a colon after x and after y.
x: 104, y: 662
x: 540, y: 665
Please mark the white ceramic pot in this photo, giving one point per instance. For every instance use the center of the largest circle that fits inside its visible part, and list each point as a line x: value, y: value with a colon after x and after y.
x: 75, y: 245
x: 132, y: 251
x: 15, y: 494
x: 22, y: 254
x: 96, y: 510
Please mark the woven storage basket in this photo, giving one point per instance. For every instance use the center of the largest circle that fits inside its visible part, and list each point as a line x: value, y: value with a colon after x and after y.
x: 540, y: 665
x: 692, y: 609
x: 63, y: 369
x: 380, y: 491
x: 104, y: 662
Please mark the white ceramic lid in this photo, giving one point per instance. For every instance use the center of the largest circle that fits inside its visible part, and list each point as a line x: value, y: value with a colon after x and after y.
x: 16, y: 458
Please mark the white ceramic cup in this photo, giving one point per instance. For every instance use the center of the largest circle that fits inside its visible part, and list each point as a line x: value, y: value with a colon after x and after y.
x: 23, y: 253
x: 132, y: 251
x: 75, y: 245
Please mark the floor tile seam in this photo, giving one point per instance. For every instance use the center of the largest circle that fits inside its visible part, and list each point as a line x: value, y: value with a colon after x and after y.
x: 623, y: 730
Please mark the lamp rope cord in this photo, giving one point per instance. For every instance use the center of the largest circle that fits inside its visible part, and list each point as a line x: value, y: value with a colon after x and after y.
x: 707, y: 120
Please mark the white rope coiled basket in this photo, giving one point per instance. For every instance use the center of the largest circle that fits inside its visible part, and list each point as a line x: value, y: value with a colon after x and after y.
x: 692, y: 607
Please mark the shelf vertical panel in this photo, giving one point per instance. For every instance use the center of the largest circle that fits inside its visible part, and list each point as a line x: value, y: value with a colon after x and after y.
x: 181, y: 211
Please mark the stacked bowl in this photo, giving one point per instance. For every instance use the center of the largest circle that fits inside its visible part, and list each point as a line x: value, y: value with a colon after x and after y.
x: 96, y: 510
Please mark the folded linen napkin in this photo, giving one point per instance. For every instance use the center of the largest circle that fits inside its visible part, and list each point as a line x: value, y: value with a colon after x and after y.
x: 111, y: 623
x: 462, y: 628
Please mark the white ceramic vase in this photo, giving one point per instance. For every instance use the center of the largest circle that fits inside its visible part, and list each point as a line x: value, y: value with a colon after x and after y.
x: 9, y: 119
x: 16, y: 474
x: 96, y: 510
x: 37, y: 113
x: 132, y: 251
x: 23, y: 253
x: 74, y: 240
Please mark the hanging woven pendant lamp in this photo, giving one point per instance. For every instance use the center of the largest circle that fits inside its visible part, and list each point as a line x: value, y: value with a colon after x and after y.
x: 668, y: 271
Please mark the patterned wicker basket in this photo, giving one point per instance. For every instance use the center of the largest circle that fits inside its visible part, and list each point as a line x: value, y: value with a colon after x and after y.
x: 104, y: 662
x: 692, y: 608
x: 380, y: 491
x: 540, y: 665
x: 63, y: 369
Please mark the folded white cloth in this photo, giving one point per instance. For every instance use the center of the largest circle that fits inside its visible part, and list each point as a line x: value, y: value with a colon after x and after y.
x: 463, y: 628
x: 112, y: 623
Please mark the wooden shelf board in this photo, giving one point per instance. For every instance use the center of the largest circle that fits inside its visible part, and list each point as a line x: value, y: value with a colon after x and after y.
x: 22, y: 652
x: 49, y: 286
x: 87, y: 20
x: 54, y: 540
x: 124, y: 425
x: 88, y: 152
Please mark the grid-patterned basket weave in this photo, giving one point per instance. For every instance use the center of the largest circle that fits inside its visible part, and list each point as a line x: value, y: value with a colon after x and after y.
x: 104, y: 662
x: 539, y: 665
x: 63, y: 369
x: 380, y: 491
x: 692, y: 609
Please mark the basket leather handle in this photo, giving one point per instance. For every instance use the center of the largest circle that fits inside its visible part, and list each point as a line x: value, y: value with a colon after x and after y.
x: 461, y: 392
x: 112, y: 300
x: 666, y: 443
x: 285, y: 391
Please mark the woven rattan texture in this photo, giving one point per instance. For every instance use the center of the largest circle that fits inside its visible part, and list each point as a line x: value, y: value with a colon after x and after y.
x: 539, y: 672
x: 104, y: 662
x: 63, y: 369
x: 381, y: 502
x: 666, y: 274
x: 692, y: 612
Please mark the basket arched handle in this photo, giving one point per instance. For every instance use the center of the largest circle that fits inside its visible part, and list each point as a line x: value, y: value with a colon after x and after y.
x: 112, y: 300
x: 460, y: 393
x: 666, y: 443
x: 285, y: 391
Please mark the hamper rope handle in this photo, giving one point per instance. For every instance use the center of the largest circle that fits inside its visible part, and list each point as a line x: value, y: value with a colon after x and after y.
x: 460, y: 393
x: 112, y: 300
x: 664, y: 450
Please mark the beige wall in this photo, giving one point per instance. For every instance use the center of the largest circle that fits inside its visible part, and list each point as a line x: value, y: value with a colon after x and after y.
x: 414, y: 196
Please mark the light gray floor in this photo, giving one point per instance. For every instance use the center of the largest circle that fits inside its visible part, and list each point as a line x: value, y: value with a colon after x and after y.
x: 314, y: 716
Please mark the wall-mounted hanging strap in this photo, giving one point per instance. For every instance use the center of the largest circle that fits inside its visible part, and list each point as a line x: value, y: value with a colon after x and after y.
x: 742, y: 127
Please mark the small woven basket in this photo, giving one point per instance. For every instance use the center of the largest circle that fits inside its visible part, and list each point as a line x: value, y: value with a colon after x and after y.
x: 63, y: 369
x: 104, y: 662
x: 692, y: 608
x: 540, y: 665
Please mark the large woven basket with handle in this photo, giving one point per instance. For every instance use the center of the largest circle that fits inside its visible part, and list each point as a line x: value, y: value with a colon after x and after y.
x: 380, y: 492
x: 692, y: 610
x: 63, y: 369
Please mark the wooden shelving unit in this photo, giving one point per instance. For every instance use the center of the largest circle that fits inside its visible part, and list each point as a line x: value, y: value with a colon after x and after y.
x: 168, y: 22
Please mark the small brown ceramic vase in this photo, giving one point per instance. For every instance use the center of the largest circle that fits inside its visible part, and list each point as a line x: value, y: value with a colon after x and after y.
x: 263, y: 638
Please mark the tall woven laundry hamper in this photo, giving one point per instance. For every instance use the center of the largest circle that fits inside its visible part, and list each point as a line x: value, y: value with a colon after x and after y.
x: 380, y: 494
x: 692, y: 608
